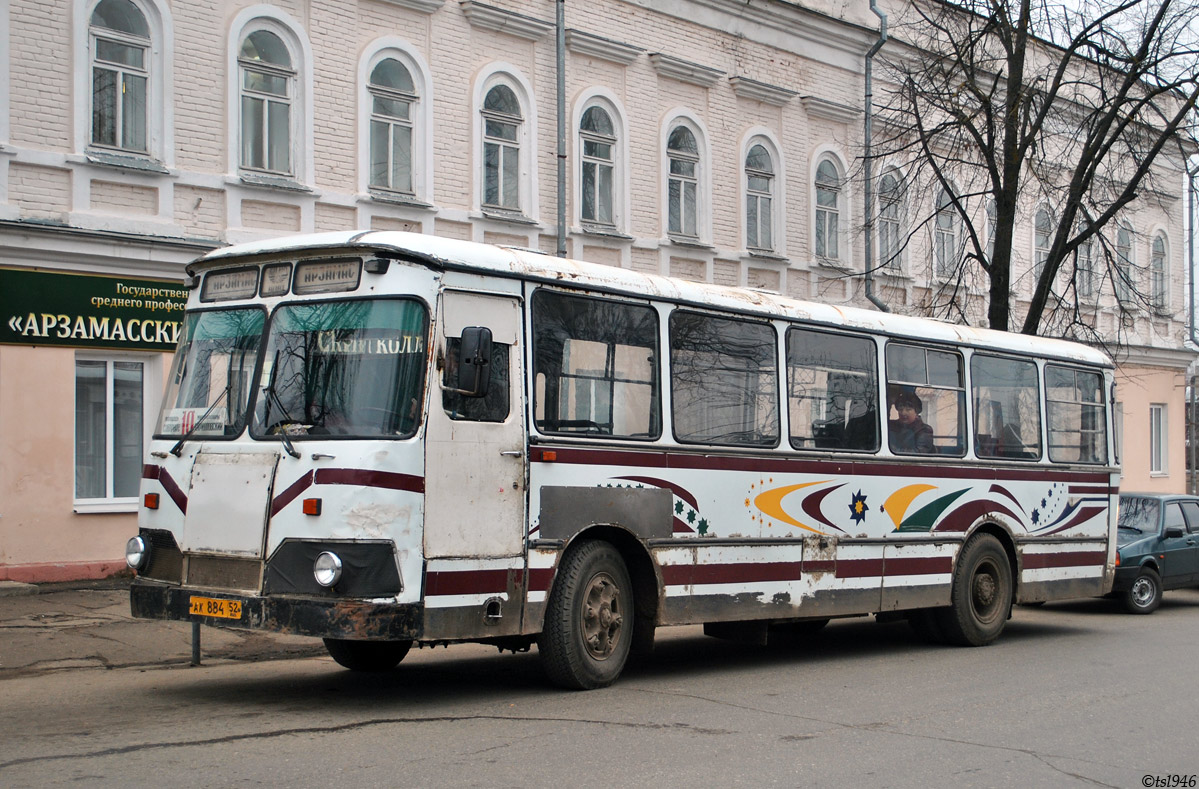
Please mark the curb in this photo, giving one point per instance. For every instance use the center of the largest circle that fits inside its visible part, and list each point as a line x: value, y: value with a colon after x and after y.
x: 17, y: 589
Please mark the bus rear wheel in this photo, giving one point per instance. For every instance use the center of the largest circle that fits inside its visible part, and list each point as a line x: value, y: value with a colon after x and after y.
x: 981, y: 598
x: 367, y: 655
x: 589, y: 620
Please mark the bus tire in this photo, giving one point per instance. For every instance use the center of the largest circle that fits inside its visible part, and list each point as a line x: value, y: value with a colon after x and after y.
x: 589, y: 620
x: 367, y: 655
x: 1145, y: 593
x: 981, y: 597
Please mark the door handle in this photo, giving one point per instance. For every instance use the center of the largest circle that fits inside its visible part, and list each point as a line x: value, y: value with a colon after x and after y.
x: 512, y: 453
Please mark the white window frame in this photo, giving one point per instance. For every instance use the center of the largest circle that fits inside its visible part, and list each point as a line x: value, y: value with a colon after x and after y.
x: 151, y: 400
x: 1084, y: 267
x: 778, y: 179
x: 507, y: 74
x: 703, y: 184
x: 1158, y: 430
x: 1159, y: 271
x: 890, y: 224
x: 420, y: 117
x: 160, y: 57
x: 1126, y: 273
x: 841, y: 212
x: 947, y: 241
x: 1040, y: 253
x: 282, y: 24
x: 609, y: 103
x: 122, y: 71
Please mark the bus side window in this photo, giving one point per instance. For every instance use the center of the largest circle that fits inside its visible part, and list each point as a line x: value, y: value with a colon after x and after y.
x: 492, y: 407
x: 724, y: 379
x: 1077, y: 431
x: 595, y: 368
x: 832, y: 391
x: 932, y: 382
x: 1007, y: 410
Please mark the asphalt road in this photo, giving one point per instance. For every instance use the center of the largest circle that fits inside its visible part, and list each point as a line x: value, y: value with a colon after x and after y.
x: 1075, y: 694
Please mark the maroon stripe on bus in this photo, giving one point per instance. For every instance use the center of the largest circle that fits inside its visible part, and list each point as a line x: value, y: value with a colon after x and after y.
x: 370, y: 479
x: 859, y: 568
x: 169, y: 486
x: 879, y: 467
x: 918, y: 565
x: 289, y: 495
x: 740, y: 572
x: 821, y: 566
x: 449, y: 582
x: 1037, y: 561
x: 540, y: 580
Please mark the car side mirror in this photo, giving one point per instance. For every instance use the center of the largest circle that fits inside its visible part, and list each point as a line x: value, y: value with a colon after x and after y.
x: 1173, y: 531
x: 474, y: 361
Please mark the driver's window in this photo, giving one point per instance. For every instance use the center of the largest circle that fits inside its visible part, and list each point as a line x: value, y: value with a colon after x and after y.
x: 1191, y: 510
x: 493, y: 406
x: 1174, y: 517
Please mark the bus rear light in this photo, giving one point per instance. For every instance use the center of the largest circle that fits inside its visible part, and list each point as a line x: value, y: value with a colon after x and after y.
x: 151, y: 501
x: 312, y: 506
x: 327, y: 568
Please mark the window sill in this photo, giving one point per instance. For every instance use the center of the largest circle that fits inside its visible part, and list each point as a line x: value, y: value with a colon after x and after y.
x: 264, y: 181
x: 511, y: 217
x: 398, y: 199
x: 766, y: 256
x: 834, y: 265
x: 122, y: 161
x: 602, y: 231
x: 102, y: 506
x: 684, y: 241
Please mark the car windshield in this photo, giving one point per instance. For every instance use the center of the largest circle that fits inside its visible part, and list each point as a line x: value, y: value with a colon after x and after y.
x: 1139, y: 513
x: 343, y: 369
x: 209, y: 387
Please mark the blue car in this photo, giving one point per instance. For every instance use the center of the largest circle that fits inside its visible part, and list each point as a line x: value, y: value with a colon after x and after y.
x: 1157, y: 548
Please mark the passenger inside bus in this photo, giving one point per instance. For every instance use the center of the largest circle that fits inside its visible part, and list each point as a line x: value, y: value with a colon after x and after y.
x: 908, y: 432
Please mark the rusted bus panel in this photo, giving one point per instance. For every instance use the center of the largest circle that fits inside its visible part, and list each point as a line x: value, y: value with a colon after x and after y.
x: 350, y: 619
x: 918, y: 575
x: 566, y: 510
x: 1062, y: 570
x: 542, y: 563
x: 470, y: 599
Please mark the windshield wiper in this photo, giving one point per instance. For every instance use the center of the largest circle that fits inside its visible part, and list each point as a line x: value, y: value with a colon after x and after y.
x: 271, y: 394
x: 177, y: 450
x: 1130, y: 528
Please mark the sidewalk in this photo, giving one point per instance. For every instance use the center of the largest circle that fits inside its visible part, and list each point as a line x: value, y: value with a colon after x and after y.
x: 86, y: 624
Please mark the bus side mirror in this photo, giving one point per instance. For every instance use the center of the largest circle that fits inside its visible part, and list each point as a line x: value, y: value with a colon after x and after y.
x: 474, y: 361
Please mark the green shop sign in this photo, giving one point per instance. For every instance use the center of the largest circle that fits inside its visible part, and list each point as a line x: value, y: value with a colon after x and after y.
x: 49, y: 308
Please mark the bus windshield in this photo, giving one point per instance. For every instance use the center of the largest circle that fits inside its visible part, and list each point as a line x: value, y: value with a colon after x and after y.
x: 343, y: 369
x: 209, y: 387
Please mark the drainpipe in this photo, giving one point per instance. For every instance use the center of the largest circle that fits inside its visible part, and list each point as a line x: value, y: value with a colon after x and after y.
x: 561, y: 56
x: 869, y: 163
x: 1191, y: 250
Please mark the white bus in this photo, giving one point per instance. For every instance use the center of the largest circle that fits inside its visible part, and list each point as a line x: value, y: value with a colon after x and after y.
x: 386, y: 439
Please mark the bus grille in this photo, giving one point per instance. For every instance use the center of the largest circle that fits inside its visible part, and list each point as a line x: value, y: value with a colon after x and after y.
x: 224, y: 572
x: 166, y: 560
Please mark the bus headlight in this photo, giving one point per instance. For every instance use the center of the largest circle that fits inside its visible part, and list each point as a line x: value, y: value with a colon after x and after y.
x: 327, y: 568
x: 137, y: 553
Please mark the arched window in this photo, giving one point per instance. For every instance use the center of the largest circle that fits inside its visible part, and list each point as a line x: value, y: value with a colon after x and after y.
x: 890, y: 209
x: 597, y: 138
x: 828, y: 210
x: 1042, y: 238
x: 392, y: 95
x: 501, y: 148
x: 683, y: 187
x: 1124, y: 262
x: 759, y: 199
x: 268, y: 90
x: 945, y: 236
x: 1157, y: 272
x: 120, y: 63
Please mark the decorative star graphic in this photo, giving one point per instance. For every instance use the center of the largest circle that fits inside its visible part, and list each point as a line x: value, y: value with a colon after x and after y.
x: 858, y: 508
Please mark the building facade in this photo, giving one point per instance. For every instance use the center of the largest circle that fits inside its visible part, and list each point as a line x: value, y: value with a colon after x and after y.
x: 705, y: 139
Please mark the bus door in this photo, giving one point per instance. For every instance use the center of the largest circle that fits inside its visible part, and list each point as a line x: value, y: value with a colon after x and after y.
x: 475, y: 446
x: 227, y: 504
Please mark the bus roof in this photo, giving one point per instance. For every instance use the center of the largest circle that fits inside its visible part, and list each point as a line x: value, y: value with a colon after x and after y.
x: 513, y: 262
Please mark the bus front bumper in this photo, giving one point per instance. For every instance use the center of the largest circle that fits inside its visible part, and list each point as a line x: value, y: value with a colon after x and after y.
x: 295, y: 615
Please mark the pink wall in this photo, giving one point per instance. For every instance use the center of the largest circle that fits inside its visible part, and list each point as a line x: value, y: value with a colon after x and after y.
x: 1136, y: 389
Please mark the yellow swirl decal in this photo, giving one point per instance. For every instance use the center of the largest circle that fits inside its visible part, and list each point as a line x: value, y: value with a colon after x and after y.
x: 896, y: 505
x: 771, y: 503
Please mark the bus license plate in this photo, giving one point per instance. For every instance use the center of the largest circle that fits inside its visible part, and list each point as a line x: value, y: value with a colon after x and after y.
x: 208, y: 606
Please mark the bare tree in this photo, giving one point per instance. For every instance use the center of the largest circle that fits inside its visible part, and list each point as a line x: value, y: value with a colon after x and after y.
x: 994, y: 106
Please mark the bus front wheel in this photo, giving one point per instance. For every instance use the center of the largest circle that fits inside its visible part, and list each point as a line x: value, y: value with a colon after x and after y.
x: 981, y: 598
x: 589, y: 620
x: 367, y: 655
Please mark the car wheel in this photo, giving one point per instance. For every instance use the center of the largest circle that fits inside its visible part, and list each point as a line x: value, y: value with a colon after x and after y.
x: 1145, y: 594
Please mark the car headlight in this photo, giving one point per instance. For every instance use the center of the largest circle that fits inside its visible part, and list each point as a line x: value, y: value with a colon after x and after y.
x: 327, y: 568
x: 137, y: 553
